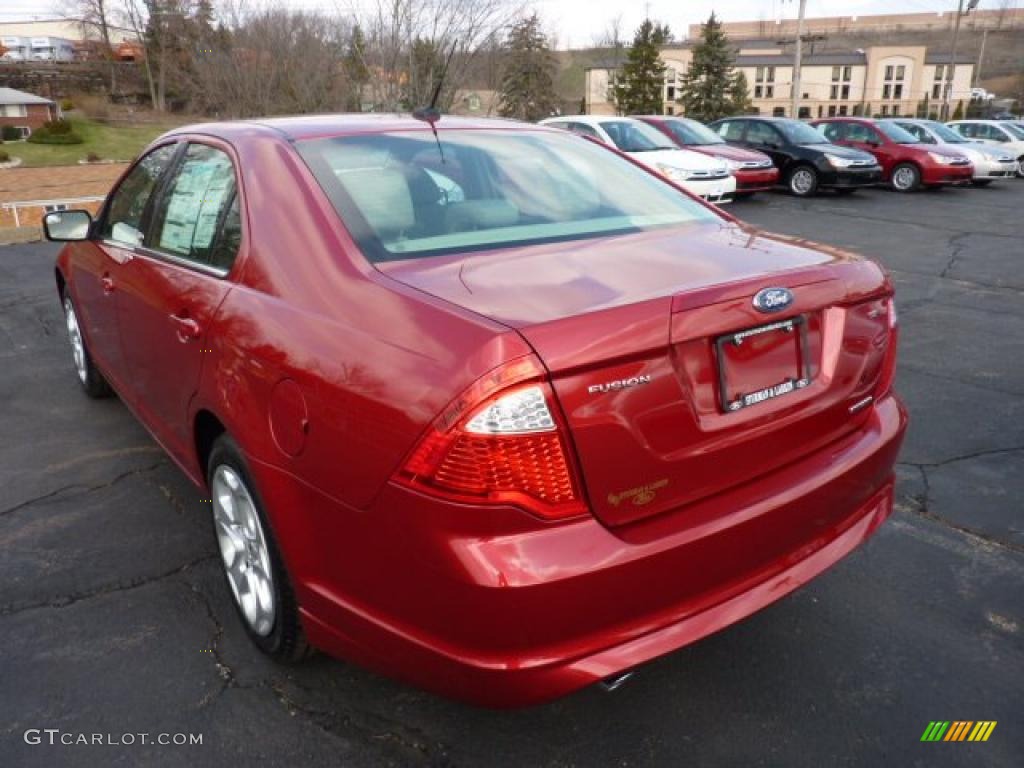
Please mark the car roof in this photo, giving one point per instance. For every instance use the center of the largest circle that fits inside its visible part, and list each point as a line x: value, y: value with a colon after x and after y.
x: 302, y: 127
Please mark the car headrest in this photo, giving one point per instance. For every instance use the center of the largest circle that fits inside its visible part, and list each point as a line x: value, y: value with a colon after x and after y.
x: 382, y: 196
x: 480, y: 214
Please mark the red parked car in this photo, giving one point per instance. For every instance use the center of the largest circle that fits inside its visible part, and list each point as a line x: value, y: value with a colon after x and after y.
x: 754, y: 171
x: 497, y: 412
x: 907, y: 163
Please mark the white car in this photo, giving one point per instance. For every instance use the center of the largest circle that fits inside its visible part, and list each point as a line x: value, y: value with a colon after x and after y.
x: 1002, y: 133
x: 704, y: 176
x: 990, y: 161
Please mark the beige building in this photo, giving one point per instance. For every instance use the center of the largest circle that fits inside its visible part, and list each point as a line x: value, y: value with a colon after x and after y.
x: 879, y: 80
x: 68, y: 29
x: 981, y: 18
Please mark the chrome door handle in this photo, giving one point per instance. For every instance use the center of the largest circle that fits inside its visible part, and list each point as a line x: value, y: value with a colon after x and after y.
x: 188, y: 329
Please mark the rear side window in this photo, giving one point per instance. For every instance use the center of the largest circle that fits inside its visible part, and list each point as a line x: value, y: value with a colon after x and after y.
x: 123, y: 222
x: 198, y: 216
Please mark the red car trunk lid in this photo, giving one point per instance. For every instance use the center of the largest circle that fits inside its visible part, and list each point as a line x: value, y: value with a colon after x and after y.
x: 639, y: 335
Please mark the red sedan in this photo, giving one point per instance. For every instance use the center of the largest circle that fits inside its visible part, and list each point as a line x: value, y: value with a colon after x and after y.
x: 494, y: 411
x: 907, y: 162
x: 754, y: 171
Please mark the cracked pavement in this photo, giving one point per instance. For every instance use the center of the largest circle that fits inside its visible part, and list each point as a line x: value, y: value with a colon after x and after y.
x: 114, y: 616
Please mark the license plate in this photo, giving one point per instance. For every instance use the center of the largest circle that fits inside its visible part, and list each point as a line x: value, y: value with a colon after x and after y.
x: 760, y: 364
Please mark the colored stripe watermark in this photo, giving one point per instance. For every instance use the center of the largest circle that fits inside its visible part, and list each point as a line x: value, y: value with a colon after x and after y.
x: 958, y: 730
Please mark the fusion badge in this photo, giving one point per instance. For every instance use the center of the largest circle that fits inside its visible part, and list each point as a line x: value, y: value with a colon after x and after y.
x: 614, y: 386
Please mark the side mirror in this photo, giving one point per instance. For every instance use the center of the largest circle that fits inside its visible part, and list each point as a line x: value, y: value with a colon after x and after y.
x: 65, y: 226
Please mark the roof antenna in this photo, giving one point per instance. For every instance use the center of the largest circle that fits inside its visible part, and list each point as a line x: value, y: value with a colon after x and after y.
x: 430, y: 115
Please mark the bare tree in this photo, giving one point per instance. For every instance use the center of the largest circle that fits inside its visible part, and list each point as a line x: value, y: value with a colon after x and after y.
x: 96, y: 16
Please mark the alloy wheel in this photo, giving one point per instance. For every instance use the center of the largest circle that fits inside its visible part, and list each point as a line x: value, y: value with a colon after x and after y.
x: 243, y: 549
x: 904, y: 178
x: 75, y: 337
x: 802, y: 181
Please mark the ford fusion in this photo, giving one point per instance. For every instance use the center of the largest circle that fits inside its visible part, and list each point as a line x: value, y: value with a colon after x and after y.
x: 480, y: 405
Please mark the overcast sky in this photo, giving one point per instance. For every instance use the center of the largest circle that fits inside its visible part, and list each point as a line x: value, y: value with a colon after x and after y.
x: 577, y: 22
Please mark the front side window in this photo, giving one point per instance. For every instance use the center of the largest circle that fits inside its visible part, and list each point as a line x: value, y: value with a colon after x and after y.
x: 515, y: 188
x: 198, y: 217
x: 862, y: 133
x: 123, y: 222
x: 762, y: 133
x: 730, y: 130
x: 800, y: 133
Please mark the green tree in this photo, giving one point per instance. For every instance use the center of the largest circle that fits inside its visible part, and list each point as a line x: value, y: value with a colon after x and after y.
x: 711, y: 89
x: 958, y: 113
x: 638, y: 87
x: 739, y: 94
x: 528, y: 79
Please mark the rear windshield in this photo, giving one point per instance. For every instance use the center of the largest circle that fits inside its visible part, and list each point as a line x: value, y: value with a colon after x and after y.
x: 404, y: 195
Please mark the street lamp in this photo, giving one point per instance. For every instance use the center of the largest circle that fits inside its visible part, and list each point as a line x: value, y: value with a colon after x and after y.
x: 951, y: 68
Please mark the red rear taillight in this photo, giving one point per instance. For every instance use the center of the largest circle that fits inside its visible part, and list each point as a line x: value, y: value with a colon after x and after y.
x: 501, y: 442
x: 888, y: 373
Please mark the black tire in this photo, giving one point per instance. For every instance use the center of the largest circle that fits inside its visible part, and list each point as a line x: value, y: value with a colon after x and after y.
x: 89, y: 376
x: 980, y: 182
x: 286, y: 641
x: 1020, y: 167
x: 802, y: 181
x: 906, y: 177
x: 845, y: 191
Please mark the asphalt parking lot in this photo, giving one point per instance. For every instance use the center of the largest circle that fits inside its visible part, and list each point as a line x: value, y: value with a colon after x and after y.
x: 114, y: 617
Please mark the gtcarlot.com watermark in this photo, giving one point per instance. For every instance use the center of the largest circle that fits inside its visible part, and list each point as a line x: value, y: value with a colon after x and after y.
x: 57, y: 737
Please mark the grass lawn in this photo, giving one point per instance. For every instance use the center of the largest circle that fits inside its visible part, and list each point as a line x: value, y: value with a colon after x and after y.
x: 110, y: 142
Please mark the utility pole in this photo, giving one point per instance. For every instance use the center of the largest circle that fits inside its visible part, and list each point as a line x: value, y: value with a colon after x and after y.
x: 951, y: 68
x: 794, y: 106
x: 981, y: 58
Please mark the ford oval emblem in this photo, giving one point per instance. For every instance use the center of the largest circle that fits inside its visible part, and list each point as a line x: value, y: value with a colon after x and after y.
x: 772, y: 299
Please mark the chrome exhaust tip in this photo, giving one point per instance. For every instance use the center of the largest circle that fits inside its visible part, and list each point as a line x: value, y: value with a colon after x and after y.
x: 615, y: 681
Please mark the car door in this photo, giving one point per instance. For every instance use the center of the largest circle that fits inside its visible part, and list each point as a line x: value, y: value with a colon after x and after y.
x: 764, y: 137
x: 867, y: 139
x: 96, y: 264
x: 172, y: 288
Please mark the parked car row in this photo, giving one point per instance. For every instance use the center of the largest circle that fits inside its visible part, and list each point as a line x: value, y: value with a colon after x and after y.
x: 839, y: 153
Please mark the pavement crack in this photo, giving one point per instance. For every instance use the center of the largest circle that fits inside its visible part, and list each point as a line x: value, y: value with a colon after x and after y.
x: 956, y: 248
x: 921, y: 502
x: 63, y: 601
x: 368, y: 727
x: 225, y: 673
x: 81, y: 488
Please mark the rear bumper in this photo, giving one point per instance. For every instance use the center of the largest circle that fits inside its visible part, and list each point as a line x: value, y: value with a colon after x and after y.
x: 492, y: 607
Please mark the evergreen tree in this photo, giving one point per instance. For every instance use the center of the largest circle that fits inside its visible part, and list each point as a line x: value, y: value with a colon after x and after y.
x: 638, y: 87
x: 739, y: 95
x: 710, y: 89
x: 528, y: 78
x: 958, y: 113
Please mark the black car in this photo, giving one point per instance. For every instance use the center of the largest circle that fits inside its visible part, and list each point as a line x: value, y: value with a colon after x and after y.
x: 806, y: 160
